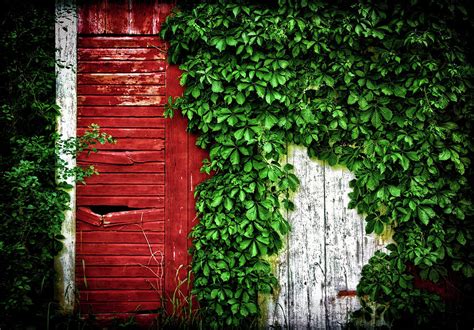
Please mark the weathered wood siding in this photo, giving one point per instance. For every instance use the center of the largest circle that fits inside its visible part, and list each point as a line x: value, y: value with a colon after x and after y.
x: 325, y: 251
x: 135, y: 216
x: 65, y: 40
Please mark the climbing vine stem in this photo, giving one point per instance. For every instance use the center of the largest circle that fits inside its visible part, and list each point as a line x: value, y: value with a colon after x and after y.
x: 380, y: 87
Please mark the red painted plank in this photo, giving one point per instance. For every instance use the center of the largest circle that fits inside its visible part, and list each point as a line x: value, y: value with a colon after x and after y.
x: 86, y: 215
x: 118, y: 283
x: 121, y: 66
x: 91, y: 17
x: 120, y: 190
x: 119, y: 41
x: 123, y: 157
x: 112, y: 236
x: 132, y: 144
x: 121, y: 54
x: 137, y: 216
x: 121, y: 122
x: 177, y: 187
x: 120, y: 90
x: 118, y: 307
x: 160, y: 12
x: 126, y: 178
x: 127, y: 100
x: 99, y: 260
x: 137, y: 168
x: 84, y: 111
x: 141, y: 20
x: 117, y: 17
x: 148, y: 78
x: 129, y: 271
x: 132, y: 201
x: 131, y: 132
x: 115, y: 249
x: 151, y: 226
x: 118, y: 295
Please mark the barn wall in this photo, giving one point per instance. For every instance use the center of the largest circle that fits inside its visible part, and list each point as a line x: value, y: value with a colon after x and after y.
x: 325, y: 251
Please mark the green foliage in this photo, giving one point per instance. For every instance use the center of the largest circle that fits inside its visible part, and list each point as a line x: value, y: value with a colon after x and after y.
x: 32, y: 202
x: 380, y: 87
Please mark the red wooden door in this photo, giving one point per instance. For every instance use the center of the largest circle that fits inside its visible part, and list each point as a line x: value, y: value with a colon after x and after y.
x: 134, y: 217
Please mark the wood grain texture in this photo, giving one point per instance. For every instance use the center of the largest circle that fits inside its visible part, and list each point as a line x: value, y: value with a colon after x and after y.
x: 141, y: 202
x: 121, y: 157
x: 121, y: 90
x: 177, y: 175
x: 119, y: 41
x: 135, y: 78
x: 126, y: 178
x: 66, y: 91
x: 118, y: 307
x: 121, y: 54
x: 129, y: 122
x: 135, y: 168
x: 91, y: 16
x: 119, y: 111
x: 106, y: 283
x: 325, y: 250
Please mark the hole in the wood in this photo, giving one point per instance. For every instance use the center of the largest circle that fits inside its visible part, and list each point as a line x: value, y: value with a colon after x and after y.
x: 103, y: 210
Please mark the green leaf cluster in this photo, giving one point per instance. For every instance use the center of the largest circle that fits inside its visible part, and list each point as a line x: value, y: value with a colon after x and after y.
x: 383, y: 88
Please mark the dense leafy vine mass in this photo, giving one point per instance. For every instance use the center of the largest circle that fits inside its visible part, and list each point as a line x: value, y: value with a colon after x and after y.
x: 380, y: 87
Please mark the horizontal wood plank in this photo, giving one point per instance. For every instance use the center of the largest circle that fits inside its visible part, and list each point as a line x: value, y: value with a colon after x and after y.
x: 120, y: 90
x: 148, y: 226
x: 118, y: 295
x: 118, y: 111
x: 118, y: 307
x: 98, y: 283
x: 120, y: 190
x: 86, y: 215
x: 115, y: 249
x: 132, y: 144
x: 120, y: 78
x: 121, y: 122
x: 131, y: 132
x: 135, y: 168
x: 130, y: 201
x: 129, y: 271
x: 124, y: 54
x: 120, y: 42
x: 112, y: 236
x: 98, y: 260
x: 125, y: 100
x: 126, y: 178
x: 121, y: 157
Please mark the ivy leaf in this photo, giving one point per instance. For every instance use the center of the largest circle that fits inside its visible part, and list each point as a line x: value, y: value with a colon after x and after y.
x: 217, y: 201
x: 251, y: 213
x: 445, y: 155
x: 376, y: 120
x: 235, y: 157
x: 352, y: 99
x: 217, y: 86
x: 386, y: 113
x: 240, y: 98
x: 395, y: 191
x: 425, y: 213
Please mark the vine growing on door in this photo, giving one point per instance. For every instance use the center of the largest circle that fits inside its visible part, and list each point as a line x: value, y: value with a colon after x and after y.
x: 382, y: 88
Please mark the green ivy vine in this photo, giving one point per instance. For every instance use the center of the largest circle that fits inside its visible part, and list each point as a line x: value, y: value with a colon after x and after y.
x: 382, y: 88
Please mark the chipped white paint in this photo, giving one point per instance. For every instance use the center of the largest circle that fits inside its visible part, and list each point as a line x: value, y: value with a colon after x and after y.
x: 325, y: 250
x: 66, y: 34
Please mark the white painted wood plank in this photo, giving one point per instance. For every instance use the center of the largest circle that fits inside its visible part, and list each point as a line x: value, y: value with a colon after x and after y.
x: 326, y: 250
x: 66, y: 99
